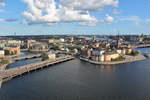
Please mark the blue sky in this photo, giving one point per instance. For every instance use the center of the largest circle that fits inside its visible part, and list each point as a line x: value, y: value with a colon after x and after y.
x: 125, y: 16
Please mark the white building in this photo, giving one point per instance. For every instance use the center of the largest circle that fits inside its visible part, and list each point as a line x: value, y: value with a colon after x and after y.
x: 2, y: 54
x: 51, y: 56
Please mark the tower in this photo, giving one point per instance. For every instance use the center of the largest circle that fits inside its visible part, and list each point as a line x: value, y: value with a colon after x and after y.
x: 118, y: 41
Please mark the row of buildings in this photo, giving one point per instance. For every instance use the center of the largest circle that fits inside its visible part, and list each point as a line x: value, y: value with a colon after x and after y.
x: 104, y: 55
x: 105, y: 51
x: 13, y: 50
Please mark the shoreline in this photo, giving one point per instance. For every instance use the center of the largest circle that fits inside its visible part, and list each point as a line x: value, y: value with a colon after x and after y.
x: 128, y: 59
x: 3, y: 67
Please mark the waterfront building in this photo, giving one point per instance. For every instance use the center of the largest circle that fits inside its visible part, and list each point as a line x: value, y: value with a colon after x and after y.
x: 89, y: 52
x: 129, y: 50
x: 108, y: 56
x: 75, y: 51
x: 121, y: 51
x: 12, y: 50
x: 51, y: 56
x: 101, y: 58
x: 98, y: 55
x: 2, y: 54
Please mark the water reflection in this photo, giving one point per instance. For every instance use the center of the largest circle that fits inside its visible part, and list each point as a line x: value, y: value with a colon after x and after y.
x: 81, y: 79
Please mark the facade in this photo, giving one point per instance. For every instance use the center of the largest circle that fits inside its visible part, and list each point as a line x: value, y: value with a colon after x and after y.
x: 56, y: 40
x: 89, y: 52
x: 110, y: 55
x: 2, y: 54
x: 12, y: 50
x: 51, y: 56
x: 128, y: 51
x: 101, y: 58
x: 39, y: 46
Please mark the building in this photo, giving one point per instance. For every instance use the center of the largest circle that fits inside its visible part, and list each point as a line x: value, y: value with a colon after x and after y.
x: 2, y: 54
x: 38, y: 46
x: 110, y: 55
x: 12, y: 50
x: 89, y: 52
x: 118, y: 43
x: 29, y: 43
x: 51, y: 56
x: 97, y: 55
x: 129, y: 51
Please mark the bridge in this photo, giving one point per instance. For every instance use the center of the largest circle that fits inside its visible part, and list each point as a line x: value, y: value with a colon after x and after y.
x: 27, y: 57
x: 14, y: 72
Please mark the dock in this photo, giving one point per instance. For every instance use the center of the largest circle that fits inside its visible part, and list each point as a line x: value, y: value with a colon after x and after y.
x: 14, y: 72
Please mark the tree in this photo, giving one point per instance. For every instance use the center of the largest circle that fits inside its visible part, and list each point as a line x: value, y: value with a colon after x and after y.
x: 43, y: 55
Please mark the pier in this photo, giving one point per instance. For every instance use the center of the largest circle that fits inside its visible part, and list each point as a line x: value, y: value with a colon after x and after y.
x: 14, y: 72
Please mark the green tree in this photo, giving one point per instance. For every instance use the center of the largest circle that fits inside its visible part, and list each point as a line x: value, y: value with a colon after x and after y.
x: 4, y: 61
x: 43, y: 55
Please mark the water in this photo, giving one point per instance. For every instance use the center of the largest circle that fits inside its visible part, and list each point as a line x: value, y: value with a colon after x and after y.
x: 78, y: 80
x: 23, y: 62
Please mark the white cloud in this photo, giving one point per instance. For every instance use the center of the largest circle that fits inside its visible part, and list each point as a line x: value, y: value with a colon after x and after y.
x: 115, y: 11
x: 147, y: 21
x: 109, y: 19
x: 90, y: 23
x: 2, y: 2
x: 90, y: 5
x: 135, y: 19
x: 1, y: 20
x: 24, y: 22
x: 1, y: 10
x: 48, y: 12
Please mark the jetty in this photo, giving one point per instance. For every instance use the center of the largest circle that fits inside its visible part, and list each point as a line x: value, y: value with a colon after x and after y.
x: 14, y: 72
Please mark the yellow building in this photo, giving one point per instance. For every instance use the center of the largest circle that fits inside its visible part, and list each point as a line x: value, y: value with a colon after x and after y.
x: 110, y: 55
x: 128, y: 51
x: 12, y: 50
x: 51, y: 56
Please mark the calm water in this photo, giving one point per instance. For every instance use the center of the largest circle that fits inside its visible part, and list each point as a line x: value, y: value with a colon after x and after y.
x: 23, y: 62
x: 78, y: 80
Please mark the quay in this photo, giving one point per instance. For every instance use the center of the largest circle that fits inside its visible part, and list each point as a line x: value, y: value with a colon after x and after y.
x: 128, y: 59
x: 14, y: 72
x: 139, y: 46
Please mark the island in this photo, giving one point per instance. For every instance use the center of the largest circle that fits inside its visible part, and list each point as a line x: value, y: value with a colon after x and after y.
x: 111, y: 54
x: 127, y: 59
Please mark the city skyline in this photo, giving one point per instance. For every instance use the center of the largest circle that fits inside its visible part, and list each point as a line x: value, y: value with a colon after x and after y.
x: 50, y: 17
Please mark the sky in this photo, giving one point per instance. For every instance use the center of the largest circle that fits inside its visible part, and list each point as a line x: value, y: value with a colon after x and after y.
x: 51, y: 17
